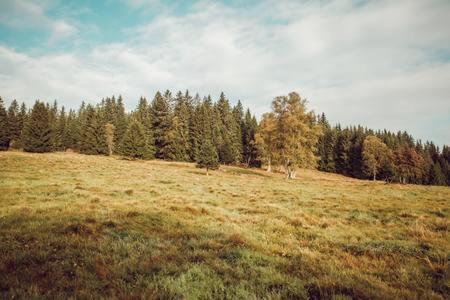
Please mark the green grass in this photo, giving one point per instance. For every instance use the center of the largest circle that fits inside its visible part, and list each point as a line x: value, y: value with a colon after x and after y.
x: 100, y: 227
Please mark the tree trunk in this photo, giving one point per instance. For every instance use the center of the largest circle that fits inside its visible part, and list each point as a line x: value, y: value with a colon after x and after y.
x: 374, y: 173
x: 269, y: 166
x: 207, y: 173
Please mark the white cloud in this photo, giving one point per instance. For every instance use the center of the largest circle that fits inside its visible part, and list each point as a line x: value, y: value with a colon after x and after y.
x: 376, y: 64
x: 31, y: 14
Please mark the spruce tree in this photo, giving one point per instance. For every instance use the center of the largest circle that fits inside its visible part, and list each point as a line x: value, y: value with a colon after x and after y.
x: 342, y: 149
x: 93, y: 136
x: 4, y: 130
x: 53, y: 120
x: 143, y: 116
x: 72, y: 132
x: 208, y: 156
x: 14, y: 125
x: 134, y: 144
x: 325, y: 146
x: 196, y: 127
x: 120, y: 123
x: 177, y: 136
x: 61, y: 128
x: 229, y: 145
x: 37, y: 132
x: 160, y: 117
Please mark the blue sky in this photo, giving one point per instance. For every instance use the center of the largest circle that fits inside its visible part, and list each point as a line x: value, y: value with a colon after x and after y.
x: 384, y: 64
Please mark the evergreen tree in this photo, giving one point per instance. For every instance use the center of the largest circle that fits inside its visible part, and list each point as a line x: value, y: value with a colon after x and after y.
x: 134, y: 143
x: 325, y: 146
x: 14, y: 125
x: 177, y: 136
x: 191, y: 104
x: 436, y: 175
x: 249, y: 146
x: 61, y: 128
x: 208, y: 156
x: 53, y: 120
x: 93, y: 136
x: 4, y: 129
x: 238, y: 115
x: 160, y: 116
x: 196, y: 127
x: 109, y: 131
x: 120, y: 123
x: 143, y: 116
x: 72, y: 132
x: 37, y: 133
x: 342, y: 149
x: 355, y: 152
x: 229, y: 146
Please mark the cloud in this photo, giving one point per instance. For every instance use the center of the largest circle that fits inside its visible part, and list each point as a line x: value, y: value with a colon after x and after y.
x: 25, y: 14
x: 383, y: 64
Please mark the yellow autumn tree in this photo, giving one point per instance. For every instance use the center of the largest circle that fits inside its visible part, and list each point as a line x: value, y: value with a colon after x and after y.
x: 289, y: 134
x: 374, y: 153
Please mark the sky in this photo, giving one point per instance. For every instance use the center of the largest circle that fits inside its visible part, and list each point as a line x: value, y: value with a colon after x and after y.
x: 382, y: 64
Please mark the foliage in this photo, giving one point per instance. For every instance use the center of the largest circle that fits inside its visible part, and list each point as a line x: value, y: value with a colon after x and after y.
x: 375, y: 153
x: 4, y: 132
x: 175, y: 127
x: 37, y: 135
x: 93, y: 136
x: 295, y: 134
x: 208, y: 156
x: 134, y: 143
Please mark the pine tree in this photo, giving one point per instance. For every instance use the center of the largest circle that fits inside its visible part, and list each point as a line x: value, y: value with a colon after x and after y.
x: 72, y: 133
x: 37, y: 133
x: 109, y: 132
x: 160, y: 116
x: 134, y: 144
x: 191, y: 104
x: 120, y: 123
x: 195, y: 127
x: 342, y: 149
x: 14, y: 125
x: 356, y: 159
x: 325, y: 146
x: 61, y: 128
x: 229, y: 146
x: 4, y: 128
x: 249, y: 146
x: 53, y: 120
x: 143, y: 116
x: 177, y: 137
x: 436, y: 175
x: 208, y: 156
x: 238, y: 115
x: 93, y: 136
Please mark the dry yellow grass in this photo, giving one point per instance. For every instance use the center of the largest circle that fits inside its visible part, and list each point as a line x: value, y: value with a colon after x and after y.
x: 93, y: 226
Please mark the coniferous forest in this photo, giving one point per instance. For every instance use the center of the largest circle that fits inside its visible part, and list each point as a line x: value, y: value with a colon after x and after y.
x: 183, y: 127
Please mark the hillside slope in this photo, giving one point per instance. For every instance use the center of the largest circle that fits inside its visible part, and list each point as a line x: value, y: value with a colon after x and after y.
x: 93, y: 226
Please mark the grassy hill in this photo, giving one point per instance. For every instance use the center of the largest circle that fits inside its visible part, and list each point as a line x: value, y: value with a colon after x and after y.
x: 93, y: 226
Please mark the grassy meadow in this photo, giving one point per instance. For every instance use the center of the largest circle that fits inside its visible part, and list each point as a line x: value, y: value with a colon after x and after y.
x: 82, y: 226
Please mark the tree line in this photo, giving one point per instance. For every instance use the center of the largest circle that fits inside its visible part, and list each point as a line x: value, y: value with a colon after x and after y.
x: 197, y: 129
x: 395, y: 157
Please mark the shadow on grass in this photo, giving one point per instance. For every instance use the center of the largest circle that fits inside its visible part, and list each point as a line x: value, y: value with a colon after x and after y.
x: 132, y: 255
